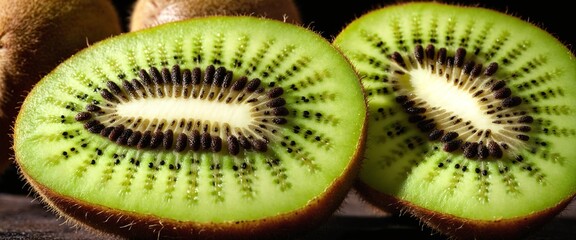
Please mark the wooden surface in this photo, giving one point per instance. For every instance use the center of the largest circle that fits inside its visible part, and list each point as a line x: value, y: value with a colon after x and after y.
x: 23, y: 217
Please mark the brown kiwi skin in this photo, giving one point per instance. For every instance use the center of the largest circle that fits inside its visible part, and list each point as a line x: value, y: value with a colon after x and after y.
x: 459, y: 228
x: 291, y: 225
x: 149, y: 13
x: 140, y: 226
x: 35, y: 36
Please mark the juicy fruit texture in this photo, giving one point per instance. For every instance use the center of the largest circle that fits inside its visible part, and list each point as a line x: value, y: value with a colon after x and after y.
x: 35, y: 36
x: 211, y: 127
x: 471, y: 123
x: 148, y: 13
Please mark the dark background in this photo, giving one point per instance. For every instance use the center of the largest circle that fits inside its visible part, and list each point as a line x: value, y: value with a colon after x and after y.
x: 329, y: 17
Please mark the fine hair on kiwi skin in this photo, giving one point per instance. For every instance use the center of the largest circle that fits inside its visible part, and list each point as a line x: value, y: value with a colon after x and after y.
x: 471, y: 118
x: 148, y: 13
x: 235, y: 127
x: 34, y: 37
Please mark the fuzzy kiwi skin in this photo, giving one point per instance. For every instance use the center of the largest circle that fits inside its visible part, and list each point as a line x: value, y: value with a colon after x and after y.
x: 137, y: 226
x: 104, y: 220
x: 461, y: 228
x: 148, y: 13
x: 455, y: 227
x: 131, y: 225
x: 35, y: 36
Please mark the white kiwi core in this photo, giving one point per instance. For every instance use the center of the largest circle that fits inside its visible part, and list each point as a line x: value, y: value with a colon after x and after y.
x: 174, y: 109
x: 442, y: 94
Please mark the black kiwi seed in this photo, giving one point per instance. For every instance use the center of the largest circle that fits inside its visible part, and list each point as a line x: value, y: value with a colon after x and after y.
x: 205, y: 141
x: 174, y: 112
x: 134, y: 139
x: 194, y: 140
x: 181, y: 142
x: 197, y: 137
x: 106, y: 94
x: 92, y: 108
x: 244, y: 143
x: 456, y: 133
x: 233, y: 145
x: 495, y: 124
x: 83, y: 116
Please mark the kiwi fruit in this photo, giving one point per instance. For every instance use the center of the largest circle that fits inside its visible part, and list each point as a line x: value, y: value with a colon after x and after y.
x: 148, y: 13
x: 213, y: 127
x: 35, y: 36
x: 471, y: 117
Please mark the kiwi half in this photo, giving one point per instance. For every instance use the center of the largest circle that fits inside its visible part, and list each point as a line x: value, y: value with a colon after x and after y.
x: 148, y: 13
x: 35, y: 36
x: 215, y: 127
x: 472, y: 117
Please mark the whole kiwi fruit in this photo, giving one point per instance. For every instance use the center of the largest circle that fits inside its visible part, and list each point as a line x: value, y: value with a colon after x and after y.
x: 220, y: 127
x: 148, y: 13
x: 472, y: 117
x: 35, y: 36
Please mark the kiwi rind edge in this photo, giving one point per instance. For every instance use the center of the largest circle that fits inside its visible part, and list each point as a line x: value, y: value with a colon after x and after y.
x: 447, y: 223
x: 291, y: 223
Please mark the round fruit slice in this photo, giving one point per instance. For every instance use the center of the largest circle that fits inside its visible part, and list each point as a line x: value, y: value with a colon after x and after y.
x: 215, y: 127
x: 471, y: 117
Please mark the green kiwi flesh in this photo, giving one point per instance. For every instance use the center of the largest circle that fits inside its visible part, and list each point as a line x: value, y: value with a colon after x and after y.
x: 209, y: 127
x: 472, y: 118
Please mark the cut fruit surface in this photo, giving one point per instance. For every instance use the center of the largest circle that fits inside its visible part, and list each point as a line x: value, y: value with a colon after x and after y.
x: 472, y: 115
x: 207, y: 124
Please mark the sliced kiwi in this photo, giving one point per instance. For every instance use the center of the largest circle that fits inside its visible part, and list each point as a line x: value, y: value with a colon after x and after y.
x: 215, y: 127
x: 472, y: 117
x: 148, y: 13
